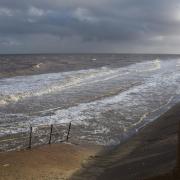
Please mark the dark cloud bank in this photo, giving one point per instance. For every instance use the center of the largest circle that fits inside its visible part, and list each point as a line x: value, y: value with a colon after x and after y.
x: 49, y: 26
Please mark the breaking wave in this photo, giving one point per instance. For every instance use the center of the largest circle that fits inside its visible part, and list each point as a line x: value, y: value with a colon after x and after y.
x: 143, y: 91
x: 19, y: 88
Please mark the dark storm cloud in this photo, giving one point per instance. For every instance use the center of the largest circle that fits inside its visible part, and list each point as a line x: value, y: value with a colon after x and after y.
x: 102, y: 25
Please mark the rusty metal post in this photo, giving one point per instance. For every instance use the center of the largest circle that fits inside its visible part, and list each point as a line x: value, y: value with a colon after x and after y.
x: 51, y: 131
x: 69, y: 129
x: 30, y: 138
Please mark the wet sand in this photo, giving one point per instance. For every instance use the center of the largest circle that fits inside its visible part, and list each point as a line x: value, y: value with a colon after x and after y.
x: 149, y: 153
x: 49, y: 162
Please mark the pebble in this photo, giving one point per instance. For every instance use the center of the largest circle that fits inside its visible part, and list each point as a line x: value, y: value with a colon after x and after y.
x: 5, y: 165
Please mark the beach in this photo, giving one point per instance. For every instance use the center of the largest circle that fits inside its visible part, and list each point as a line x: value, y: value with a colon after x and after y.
x: 151, y: 152
x: 105, y: 101
x: 57, y: 161
x: 114, y: 106
x: 89, y: 90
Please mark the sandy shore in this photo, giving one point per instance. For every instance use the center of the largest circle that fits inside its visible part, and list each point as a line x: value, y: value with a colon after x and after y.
x: 149, y: 153
x: 58, y: 161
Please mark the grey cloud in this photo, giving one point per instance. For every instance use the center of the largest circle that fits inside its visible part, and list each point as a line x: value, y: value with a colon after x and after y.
x: 103, y: 25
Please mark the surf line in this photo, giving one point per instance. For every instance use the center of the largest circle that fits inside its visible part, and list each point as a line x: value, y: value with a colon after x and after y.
x: 148, y: 113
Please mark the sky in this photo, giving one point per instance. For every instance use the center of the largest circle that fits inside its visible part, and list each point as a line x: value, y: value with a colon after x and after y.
x: 87, y: 26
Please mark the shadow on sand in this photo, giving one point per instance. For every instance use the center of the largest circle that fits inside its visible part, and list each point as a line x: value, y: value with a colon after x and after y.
x: 151, y: 154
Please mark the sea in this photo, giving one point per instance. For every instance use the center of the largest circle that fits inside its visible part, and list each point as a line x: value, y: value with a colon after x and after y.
x: 106, y: 97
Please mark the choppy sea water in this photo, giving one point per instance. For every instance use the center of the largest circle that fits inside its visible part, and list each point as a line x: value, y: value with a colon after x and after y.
x: 104, y: 104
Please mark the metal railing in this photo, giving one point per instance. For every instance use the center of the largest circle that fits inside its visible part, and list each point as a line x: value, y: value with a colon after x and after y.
x: 52, y: 131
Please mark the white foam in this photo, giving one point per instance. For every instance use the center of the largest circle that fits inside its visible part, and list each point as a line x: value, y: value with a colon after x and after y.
x: 159, y: 85
x: 138, y: 99
x: 18, y: 88
x: 155, y: 65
